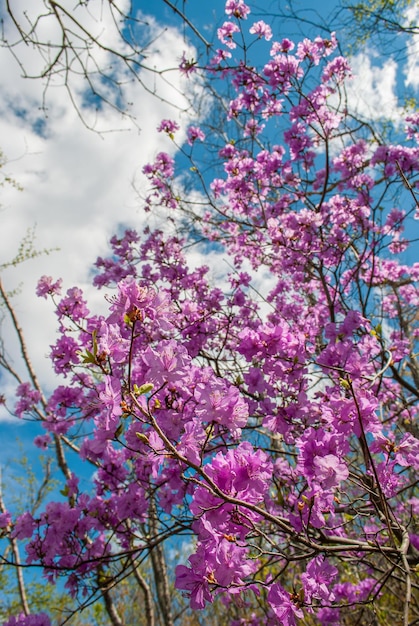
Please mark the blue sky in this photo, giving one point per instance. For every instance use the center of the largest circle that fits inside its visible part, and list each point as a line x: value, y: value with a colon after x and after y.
x: 79, y: 186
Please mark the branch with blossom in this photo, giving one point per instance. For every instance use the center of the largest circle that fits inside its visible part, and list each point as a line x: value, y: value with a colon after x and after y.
x: 274, y: 423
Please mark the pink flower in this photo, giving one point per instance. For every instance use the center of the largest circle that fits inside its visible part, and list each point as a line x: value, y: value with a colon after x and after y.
x: 283, y: 607
x: 338, y: 69
x: 226, y: 32
x: 46, y: 286
x: 195, y: 581
x: 412, y: 126
x: 261, y: 29
x: 286, y: 45
x: 220, y: 55
x: 73, y: 305
x: 242, y: 473
x: 64, y: 354
x: 222, y: 404
x: 317, y: 580
x: 237, y: 8
x: 28, y: 399
x: 187, y: 66
x: 194, y: 133
x: 329, y: 471
x: 24, y: 526
x: 5, y: 519
x: 168, y: 126
x: 42, y: 441
x: 163, y: 165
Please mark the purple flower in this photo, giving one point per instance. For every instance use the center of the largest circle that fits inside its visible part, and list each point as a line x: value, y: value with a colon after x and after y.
x: 283, y: 607
x: 286, y: 45
x: 42, y: 441
x: 24, y: 526
x: 168, y: 126
x: 243, y: 473
x: 28, y: 399
x: 329, y: 471
x: 317, y: 580
x: 195, y: 581
x: 194, y: 133
x: 73, y: 305
x: 5, y: 520
x: 221, y: 403
x: 46, y: 287
x: 187, y: 66
x: 261, y: 29
x: 237, y: 8
x: 226, y: 32
x: 64, y: 354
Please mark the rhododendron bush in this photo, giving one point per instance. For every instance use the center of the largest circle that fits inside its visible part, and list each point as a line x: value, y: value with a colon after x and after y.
x: 266, y: 423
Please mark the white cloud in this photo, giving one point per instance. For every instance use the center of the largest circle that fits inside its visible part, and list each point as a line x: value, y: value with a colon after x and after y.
x: 412, y: 64
x: 372, y: 92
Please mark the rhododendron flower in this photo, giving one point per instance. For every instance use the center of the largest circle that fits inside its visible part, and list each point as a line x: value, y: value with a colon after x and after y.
x: 220, y: 55
x: 222, y: 404
x: 261, y: 29
x: 187, y: 66
x: 286, y: 45
x: 166, y: 362
x: 163, y: 166
x: 135, y: 303
x: 5, y: 519
x: 337, y: 70
x: 168, y: 126
x: 283, y: 607
x: 329, y: 471
x: 225, y: 34
x: 281, y: 70
x: 46, y: 286
x: 407, y: 451
x: 237, y: 8
x: 242, y: 472
x: 24, y: 526
x: 73, y: 305
x: 64, y: 354
x: 194, y: 133
x: 252, y: 128
x: 195, y: 581
x: 351, y: 593
x: 28, y: 399
x: 42, y: 441
x: 317, y: 580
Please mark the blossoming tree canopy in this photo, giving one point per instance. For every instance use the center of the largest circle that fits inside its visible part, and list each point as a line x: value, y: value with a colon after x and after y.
x: 271, y: 420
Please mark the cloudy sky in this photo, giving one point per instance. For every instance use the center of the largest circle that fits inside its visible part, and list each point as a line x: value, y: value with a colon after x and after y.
x: 78, y: 183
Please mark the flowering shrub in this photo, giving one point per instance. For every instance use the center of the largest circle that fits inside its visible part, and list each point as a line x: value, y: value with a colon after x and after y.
x: 274, y: 422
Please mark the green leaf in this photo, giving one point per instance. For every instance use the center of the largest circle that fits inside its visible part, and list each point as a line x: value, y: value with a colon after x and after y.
x: 143, y: 389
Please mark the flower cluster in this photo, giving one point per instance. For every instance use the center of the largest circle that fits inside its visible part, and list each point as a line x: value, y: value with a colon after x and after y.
x: 271, y: 415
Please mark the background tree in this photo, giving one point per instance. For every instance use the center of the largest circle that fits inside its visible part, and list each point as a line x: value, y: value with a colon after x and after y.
x: 380, y: 22
x: 91, y: 49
